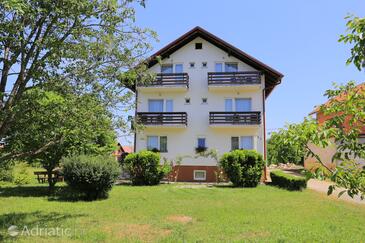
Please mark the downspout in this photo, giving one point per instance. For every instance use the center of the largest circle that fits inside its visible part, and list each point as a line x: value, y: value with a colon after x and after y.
x: 135, y: 116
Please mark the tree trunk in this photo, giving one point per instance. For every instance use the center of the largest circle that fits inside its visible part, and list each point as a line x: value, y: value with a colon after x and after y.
x: 51, y: 181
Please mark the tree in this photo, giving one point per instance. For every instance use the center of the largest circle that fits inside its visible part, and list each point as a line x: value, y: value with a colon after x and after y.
x: 82, y: 46
x: 67, y: 124
x: 279, y: 151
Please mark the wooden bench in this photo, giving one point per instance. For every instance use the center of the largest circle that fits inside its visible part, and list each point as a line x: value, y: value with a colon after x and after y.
x: 42, y: 176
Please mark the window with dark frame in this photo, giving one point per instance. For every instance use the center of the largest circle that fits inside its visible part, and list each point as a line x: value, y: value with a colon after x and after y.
x: 163, y: 144
x: 187, y: 101
x: 204, y: 100
x: 235, y: 144
x: 192, y: 65
x: 198, y: 46
x: 204, y: 64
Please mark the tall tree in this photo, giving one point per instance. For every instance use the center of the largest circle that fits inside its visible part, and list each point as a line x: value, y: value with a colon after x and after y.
x: 84, y: 45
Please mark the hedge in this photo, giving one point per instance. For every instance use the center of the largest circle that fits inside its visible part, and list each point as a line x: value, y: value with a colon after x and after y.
x: 287, y: 181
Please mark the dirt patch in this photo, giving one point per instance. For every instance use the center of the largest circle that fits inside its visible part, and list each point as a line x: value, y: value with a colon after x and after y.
x: 180, y: 219
x: 254, y: 234
x: 142, y: 232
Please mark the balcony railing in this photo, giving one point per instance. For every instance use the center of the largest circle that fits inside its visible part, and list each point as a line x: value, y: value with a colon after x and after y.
x: 234, y: 78
x: 162, y: 118
x: 235, y: 118
x: 170, y: 79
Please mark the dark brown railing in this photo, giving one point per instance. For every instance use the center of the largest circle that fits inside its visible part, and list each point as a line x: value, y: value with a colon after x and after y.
x: 234, y: 78
x: 170, y: 79
x: 235, y: 118
x: 162, y: 118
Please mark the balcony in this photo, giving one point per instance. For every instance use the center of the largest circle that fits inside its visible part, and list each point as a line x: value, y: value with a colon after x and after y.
x: 169, y: 119
x: 222, y: 81
x: 229, y: 119
x: 168, y: 82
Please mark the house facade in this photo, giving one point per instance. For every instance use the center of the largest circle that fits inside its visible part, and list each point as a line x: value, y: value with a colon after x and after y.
x: 207, y: 95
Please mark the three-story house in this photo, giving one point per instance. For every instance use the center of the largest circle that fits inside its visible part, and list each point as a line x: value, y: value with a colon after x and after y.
x: 207, y: 95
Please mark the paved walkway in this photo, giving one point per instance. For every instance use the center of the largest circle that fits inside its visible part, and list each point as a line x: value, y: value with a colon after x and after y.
x: 322, y: 186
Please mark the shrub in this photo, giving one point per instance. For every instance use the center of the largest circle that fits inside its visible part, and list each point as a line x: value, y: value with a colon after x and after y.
x: 243, y: 167
x: 22, y: 174
x: 144, y: 168
x: 287, y: 181
x: 6, y: 173
x: 92, y: 175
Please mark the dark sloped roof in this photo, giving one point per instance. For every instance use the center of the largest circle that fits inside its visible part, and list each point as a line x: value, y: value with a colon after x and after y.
x: 272, y: 76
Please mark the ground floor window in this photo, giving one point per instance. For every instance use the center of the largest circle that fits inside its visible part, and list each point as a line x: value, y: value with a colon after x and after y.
x: 243, y: 142
x: 157, y: 143
x: 200, y: 175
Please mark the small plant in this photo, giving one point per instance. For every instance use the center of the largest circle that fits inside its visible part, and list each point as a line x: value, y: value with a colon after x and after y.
x: 199, y: 150
x: 22, y: 174
x: 144, y: 168
x: 290, y: 182
x: 6, y: 172
x: 92, y: 175
x: 243, y: 167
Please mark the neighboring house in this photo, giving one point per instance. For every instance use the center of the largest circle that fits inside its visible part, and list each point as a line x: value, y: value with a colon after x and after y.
x: 326, y: 154
x: 207, y: 95
x: 122, y: 151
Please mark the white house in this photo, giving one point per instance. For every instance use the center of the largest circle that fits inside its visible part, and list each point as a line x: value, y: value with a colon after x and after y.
x: 207, y: 94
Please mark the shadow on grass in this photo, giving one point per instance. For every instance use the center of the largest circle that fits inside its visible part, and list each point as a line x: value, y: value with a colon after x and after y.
x: 32, y: 220
x: 60, y: 193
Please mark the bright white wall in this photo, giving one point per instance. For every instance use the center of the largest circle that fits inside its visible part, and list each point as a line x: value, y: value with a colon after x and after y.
x: 182, y: 141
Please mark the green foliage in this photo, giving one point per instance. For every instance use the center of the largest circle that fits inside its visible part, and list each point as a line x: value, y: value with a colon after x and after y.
x: 71, y: 47
x: 6, y: 172
x: 281, y: 150
x: 22, y: 174
x: 145, y: 169
x: 356, y: 29
x: 290, y: 182
x: 54, y: 125
x: 243, y: 167
x: 92, y: 175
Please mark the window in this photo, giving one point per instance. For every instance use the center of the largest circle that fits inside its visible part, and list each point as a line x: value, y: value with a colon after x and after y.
x: 204, y: 100
x: 163, y: 144
x: 218, y: 67
x: 187, y: 101
x: 204, y: 64
x: 179, y: 68
x: 201, y: 143
x: 192, y: 64
x: 159, y: 143
x: 228, y: 105
x: 152, y: 142
x: 246, y: 142
x: 200, y: 175
x: 155, y: 105
x: 243, y: 104
x: 198, y: 46
x: 235, y: 143
x: 166, y: 68
x: 231, y: 67
x: 169, y: 105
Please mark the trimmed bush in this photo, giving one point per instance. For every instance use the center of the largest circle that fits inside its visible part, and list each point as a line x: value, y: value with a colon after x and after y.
x: 92, y: 175
x: 144, y: 168
x: 243, y: 167
x: 287, y: 181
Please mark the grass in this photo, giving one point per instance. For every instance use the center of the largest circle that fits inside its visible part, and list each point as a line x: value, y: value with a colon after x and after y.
x: 176, y: 213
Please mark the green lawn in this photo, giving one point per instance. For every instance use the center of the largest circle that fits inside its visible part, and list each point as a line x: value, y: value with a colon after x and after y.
x: 173, y: 213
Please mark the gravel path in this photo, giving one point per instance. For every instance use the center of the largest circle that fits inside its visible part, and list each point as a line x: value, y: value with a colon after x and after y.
x: 322, y: 186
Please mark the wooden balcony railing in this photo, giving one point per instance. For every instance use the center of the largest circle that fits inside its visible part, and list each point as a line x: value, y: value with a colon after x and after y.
x: 234, y: 78
x: 162, y: 118
x: 170, y: 79
x: 235, y: 118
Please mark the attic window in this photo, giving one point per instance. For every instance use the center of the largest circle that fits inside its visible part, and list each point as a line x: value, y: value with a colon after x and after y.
x: 198, y: 46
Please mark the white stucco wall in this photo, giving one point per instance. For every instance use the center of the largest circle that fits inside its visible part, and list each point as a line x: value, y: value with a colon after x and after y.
x: 182, y: 141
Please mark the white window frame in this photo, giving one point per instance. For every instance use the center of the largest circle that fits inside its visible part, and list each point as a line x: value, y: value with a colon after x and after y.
x: 200, y: 179
x: 167, y: 64
x: 201, y: 137
x: 178, y: 63
x: 234, y: 102
x: 164, y: 103
x: 224, y: 66
x: 239, y: 141
x: 159, y: 143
